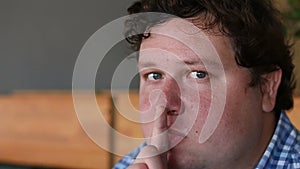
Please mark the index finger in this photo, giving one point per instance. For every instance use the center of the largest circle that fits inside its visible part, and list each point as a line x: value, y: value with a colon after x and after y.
x: 159, y: 137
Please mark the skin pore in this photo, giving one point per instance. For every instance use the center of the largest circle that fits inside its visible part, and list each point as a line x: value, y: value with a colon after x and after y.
x: 174, y: 78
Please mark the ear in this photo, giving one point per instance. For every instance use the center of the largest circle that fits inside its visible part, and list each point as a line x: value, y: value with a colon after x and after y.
x: 269, y: 87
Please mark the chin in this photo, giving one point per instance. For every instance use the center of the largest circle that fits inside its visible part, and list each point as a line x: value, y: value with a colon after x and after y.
x: 183, y: 156
x: 184, y: 161
x: 178, y: 158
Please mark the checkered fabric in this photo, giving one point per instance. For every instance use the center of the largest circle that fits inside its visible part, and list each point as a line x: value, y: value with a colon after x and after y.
x: 128, y: 159
x: 283, y: 151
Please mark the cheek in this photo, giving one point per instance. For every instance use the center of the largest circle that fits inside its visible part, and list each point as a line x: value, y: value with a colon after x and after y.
x: 241, y: 121
x: 145, y: 107
x: 144, y: 101
x: 201, y: 105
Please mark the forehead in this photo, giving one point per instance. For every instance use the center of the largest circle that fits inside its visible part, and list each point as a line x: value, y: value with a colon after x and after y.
x: 171, y: 36
x: 185, y: 40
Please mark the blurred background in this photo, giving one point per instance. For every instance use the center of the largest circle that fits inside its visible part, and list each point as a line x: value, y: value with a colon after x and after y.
x: 40, y: 41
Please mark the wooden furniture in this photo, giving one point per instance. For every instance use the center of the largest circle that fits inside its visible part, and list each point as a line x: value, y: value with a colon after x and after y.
x: 40, y: 128
x: 294, y: 114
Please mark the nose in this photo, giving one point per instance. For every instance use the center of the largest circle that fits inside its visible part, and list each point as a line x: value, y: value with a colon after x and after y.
x: 172, y: 93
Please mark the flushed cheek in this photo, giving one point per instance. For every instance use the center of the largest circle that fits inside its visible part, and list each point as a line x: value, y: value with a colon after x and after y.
x: 202, y: 110
x: 144, y: 108
x: 144, y: 102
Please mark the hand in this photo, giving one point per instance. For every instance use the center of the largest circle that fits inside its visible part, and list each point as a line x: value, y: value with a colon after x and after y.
x: 154, y: 155
x: 148, y: 159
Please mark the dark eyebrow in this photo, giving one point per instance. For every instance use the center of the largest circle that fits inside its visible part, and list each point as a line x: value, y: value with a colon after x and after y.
x: 192, y: 62
x: 147, y: 64
x: 202, y: 62
x: 187, y: 62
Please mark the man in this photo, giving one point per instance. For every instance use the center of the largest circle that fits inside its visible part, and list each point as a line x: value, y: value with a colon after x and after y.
x: 227, y: 83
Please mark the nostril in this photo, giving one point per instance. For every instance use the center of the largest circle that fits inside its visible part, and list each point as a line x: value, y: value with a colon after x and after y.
x: 172, y: 113
x: 171, y: 118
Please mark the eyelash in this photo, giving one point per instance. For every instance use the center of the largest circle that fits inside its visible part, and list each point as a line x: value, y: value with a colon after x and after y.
x: 156, y: 75
x: 160, y: 76
x: 204, y: 74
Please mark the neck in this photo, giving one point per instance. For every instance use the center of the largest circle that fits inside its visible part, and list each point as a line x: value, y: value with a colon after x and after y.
x: 251, y: 158
x: 269, y: 123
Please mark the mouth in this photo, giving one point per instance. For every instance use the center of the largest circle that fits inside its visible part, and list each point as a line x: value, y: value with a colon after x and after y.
x: 176, y: 137
x: 177, y: 133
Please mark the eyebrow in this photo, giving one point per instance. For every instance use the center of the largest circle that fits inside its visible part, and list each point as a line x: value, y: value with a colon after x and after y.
x: 191, y: 62
x: 147, y: 64
x: 186, y: 62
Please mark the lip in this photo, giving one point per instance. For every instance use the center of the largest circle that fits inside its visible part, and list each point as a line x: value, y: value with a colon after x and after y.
x: 177, y: 133
x: 175, y: 138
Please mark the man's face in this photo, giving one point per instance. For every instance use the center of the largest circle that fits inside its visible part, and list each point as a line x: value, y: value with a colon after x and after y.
x: 183, y: 83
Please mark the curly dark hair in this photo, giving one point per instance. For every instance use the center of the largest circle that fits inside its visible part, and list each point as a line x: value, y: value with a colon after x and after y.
x: 254, y: 27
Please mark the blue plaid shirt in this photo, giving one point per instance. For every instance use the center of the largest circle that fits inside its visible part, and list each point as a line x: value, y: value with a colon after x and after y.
x: 283, y: 151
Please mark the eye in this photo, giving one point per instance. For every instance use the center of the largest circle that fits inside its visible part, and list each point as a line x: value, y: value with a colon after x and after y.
x: 198, y: 74
x: 154, y: 76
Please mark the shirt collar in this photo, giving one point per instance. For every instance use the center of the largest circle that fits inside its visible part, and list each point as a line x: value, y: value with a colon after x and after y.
x: 283, y: 138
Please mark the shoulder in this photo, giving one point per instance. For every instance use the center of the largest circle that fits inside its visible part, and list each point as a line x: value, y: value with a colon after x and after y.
x: 283, y: 150
x: 287, y: 144
x: 294, y: 156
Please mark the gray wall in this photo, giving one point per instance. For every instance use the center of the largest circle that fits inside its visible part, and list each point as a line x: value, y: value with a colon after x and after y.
x: 41, y: 39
